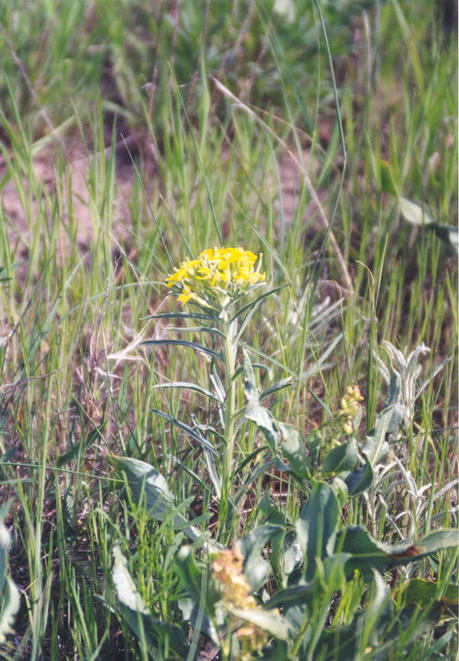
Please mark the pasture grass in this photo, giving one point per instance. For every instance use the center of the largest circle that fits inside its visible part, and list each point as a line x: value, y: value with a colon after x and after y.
x: 79, y: 295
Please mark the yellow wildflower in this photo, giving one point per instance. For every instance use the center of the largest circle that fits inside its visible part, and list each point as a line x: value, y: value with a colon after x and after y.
x: 235, y: 590
x: 216, y: 277
x: 349, y: 409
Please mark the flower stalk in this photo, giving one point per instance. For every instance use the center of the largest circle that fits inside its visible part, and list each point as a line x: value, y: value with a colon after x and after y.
x: 229, y: 353
x: 216, y: 281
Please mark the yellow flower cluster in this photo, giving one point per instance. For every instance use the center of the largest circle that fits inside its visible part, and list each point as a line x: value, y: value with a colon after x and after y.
x: 349, y: 408
x: 235, y: 590
x: 218, y: 273
x: 234, y: 587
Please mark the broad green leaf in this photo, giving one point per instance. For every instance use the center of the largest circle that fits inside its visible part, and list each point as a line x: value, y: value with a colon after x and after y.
x: 146, y: 483
x: 332, y: 579
x: 388, y: 184
x: 413, y: 212
x: 449, y: 234
x: 125, y: 588
x: 10, y: 600
x: 294, y: 451
x: 193, y: 613
x: 301, y: 593
x: 417, y: 215
x: 378, y: 608
x: 367, y: 553
x: 387, y: 422
x: 135, y: 613
x: 194, y: 578
x: 273, y: 623
x: 316, y: 526
x: 360, y: 479
x: 10, y: 606
x: 424, y: 593
x: 256, y: 568
x: 342, y: 458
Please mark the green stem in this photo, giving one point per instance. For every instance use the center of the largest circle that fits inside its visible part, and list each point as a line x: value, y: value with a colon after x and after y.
x: 229, y: 352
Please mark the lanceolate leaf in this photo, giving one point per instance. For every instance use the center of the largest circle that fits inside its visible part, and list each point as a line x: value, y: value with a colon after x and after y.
x: 254, y: 411
x: 360, y: 479
x: 273, y: 623
x: 185, y: 343
x: 146, y: 483
x: 9, y: 594
x: 316, y: 526
x: 332, y: 579
x: 424, y: 593
x: 342, y: 458
x: 294, y: 452
x: 135, y: 613
x: 388, y: 184
x: 256, y: 568
x: 125, y: 588
x: 413, y: 212
x: 367, y: 553
x: 189, y: 386
x: 189, y: 431
x: 417, y: 215
x: 387, y: 422
x: 11, y: 604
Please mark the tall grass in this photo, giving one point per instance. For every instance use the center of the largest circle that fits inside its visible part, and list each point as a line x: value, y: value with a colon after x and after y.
x: 95, y: 91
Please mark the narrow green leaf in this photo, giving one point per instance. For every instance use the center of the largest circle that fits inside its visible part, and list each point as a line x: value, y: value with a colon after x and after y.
x: 188, y: 430
x: 185, y: 343
x: 180, y: 315
x: 189, y: 386
x: 135, y: 613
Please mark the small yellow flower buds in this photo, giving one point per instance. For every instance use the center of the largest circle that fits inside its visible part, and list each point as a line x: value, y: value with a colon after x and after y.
x: 349, y: 409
